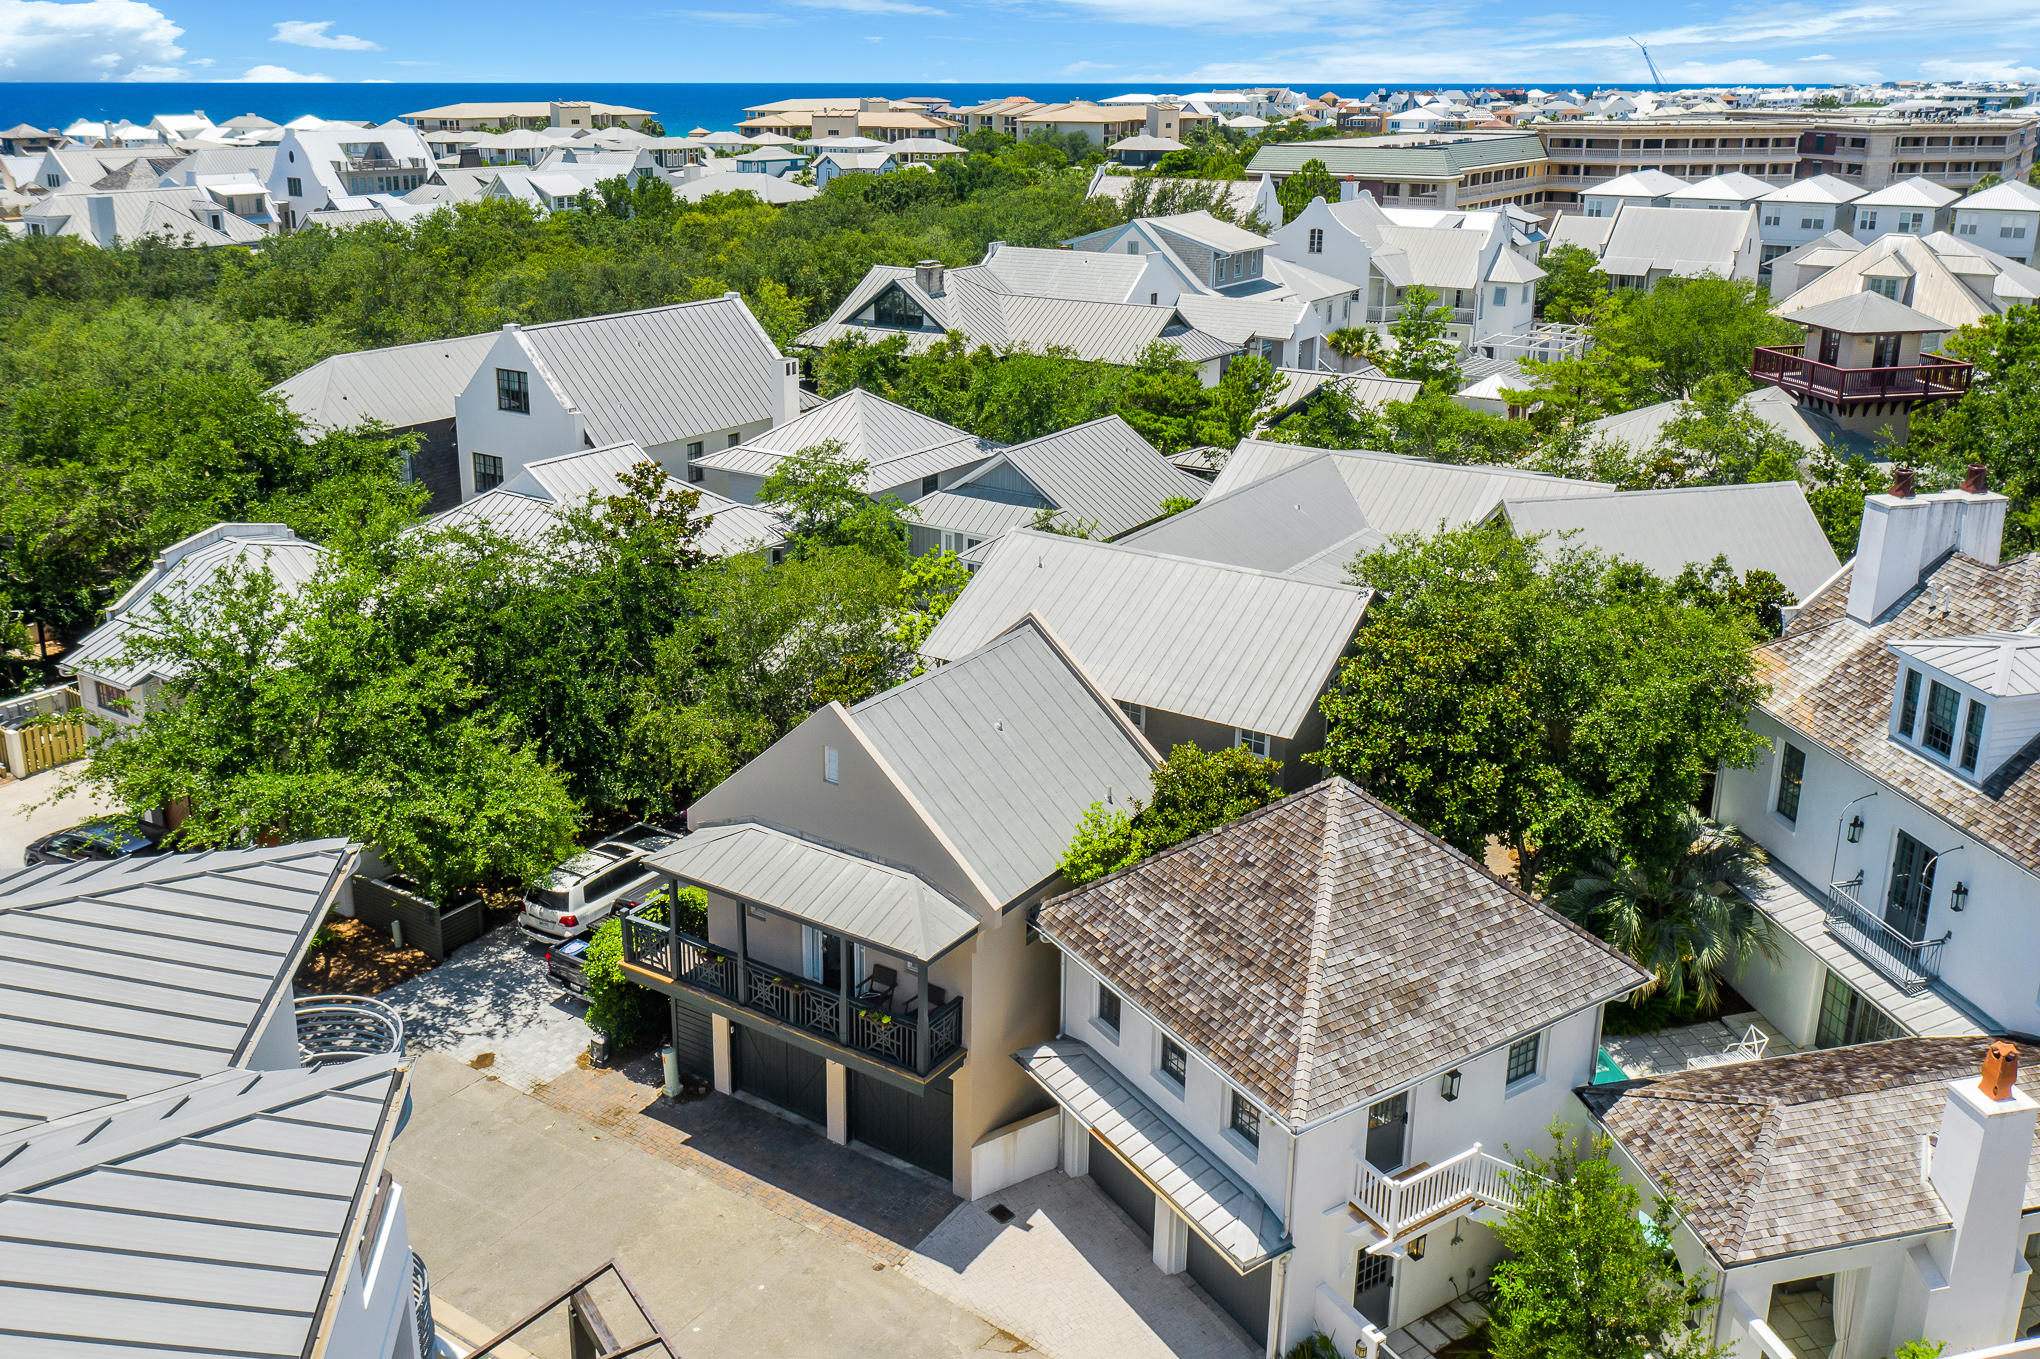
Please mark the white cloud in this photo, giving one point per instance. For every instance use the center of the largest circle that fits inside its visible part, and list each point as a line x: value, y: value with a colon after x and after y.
x: 87, y: 40
x: 1818, y: 56
x: 281, y: 75
x: 312, y: 33
x: 733, y: 18
x: 883, y: 7
x: 1978, y: 68
x: 1076, y: 68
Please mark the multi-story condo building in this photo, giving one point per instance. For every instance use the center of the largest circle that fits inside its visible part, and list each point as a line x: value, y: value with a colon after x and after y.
x: 470, y: 117
x: 1454, y: 170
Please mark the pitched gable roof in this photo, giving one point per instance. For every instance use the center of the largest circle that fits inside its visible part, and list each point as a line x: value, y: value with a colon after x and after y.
x: 1100, y: 471
x: 1323, y: 951
x: 403, y: 385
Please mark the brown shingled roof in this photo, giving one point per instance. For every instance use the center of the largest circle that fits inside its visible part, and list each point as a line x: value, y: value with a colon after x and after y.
x: 1324, y: 950
x: 1797, y: 1153
x: 1831, y: 679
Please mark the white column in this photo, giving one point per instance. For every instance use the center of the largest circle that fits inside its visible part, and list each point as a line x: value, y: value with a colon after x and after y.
x: 719, y: 1040
x: 1076, y: 1146
x: 839, y: 1103
x: 1172, y: 1238
x: 1979, y: 1172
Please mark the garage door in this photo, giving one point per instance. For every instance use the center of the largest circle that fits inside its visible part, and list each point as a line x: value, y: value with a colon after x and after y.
x: 1122, y: 1186
x: 779, y: 1073
x: 693, y: 1040
x: 917, y: 1128
x: 1243, y: 1296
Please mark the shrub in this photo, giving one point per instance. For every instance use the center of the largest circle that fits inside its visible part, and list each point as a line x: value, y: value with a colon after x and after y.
x: 627, y: 1012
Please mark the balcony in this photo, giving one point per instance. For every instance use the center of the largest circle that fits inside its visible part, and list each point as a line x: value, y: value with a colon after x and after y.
x: 342, y: 1028
x: 1784, y: 367
x: 919, y: 1042
x: 1911, y: 964
x: 1399, y: 1205
x: 1389, y: 315
x: 359, y: 164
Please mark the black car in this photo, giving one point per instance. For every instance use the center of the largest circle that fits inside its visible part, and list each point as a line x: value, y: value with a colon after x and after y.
x: 95, y: 841
x: 563, y: 965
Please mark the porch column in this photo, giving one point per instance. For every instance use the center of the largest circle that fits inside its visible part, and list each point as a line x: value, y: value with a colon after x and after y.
x: 921, y: 1020
x: 1076, y: 1147
x: 673, y: 926
x: 743, y: 952
x: 839, y: 1103
x: 719, y: 1045
x: 1172, y: 1238
x: 846, y: 953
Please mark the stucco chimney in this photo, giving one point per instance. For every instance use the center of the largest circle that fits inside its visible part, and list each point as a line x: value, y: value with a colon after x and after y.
x: 99, y: 212
x: 1903, y: 534
x: 928, y: 276
x: 1980, y: 1162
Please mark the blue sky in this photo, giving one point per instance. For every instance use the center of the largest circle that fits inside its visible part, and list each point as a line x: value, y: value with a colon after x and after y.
x: 1178, y: 44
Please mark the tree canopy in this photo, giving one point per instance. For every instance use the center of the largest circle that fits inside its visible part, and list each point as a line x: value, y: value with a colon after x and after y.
x: 1194, y: 791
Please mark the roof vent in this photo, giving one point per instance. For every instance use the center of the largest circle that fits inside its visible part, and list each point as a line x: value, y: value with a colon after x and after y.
x: 1977, y: 481
x: 1902, y: 483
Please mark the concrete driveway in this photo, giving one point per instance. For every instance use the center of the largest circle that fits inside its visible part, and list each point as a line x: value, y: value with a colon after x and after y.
x: 490, y: 1003
x: 18, y: 795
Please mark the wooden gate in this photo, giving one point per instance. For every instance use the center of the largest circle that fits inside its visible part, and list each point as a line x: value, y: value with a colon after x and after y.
x: 780, y: 1073
x: 45, y: 747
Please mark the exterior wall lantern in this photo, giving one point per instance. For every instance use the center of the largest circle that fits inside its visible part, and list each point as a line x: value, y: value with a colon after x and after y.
x: 1449, y: 1087
x: 1958, y: 896
x: 1855, y: 830
x: 1417, y: 1249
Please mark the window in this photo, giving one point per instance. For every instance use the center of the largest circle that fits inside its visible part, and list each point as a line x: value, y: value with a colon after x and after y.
x: 513, y: 391
x: 1847, y: 1019
x: 215, y: 219
x: 1972, y: 735
x: 1133, y: 247
x: 1909, y: 709
x: 1813, y: 224
x: 107, y: 696
x: 2012, y: 233
x: 1942, y: 702
x: 1791, y: 775
x: 1523, y: 1058
x: 1771, y: 219
x: 1868, y: 221
x: 731, y: 439
x: 1501, y: 297
x: 929, y: 485
x: 1246, y: 1120
x: 1175, y: 1066
x: 1883, y: 287
x: 694, y: 450
x: 1108, y: 1008
x: 488, y: 472
x: 1135, y: 714
x: 695, y: 474
x: 294, y: 187
x: 829, y: 766
x: 1254, y: 741
x: 1317, y: 241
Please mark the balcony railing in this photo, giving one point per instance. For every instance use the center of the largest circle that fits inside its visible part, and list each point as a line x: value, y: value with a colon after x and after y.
x: 1393, y: 312
x: 1398, y: 1204
x: 342, y: 1028
x: 1784, y: 367
x: 357, y: 164
x: 1913, y: 964
x: 793, y: 999
x: 421, y: 1305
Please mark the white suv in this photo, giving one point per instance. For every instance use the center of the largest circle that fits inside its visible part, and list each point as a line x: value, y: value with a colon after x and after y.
x: 583, y: 891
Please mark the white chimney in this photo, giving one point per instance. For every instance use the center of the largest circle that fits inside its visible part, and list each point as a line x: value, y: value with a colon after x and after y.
x: 99, y: 212
x: 1980, y: 1163
x: 1903, y: 534
x: 928, y: 276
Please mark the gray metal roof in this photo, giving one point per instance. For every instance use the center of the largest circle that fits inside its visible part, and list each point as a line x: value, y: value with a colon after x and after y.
x: 1223, y: 1211
x: 1086, y: 274
x: 1815, y: 189
x: 180, y: 574
x: 407, y: 384
x: 1005, y: 748
x: 662, y: 374
x: 1679, y: 240
x: 1101, y: 471
x: 211, y: 1219
x: 1243, y: 648
x: 1916, y: 192
x: 1401, y: 494
x: 1766, y: 526
x: 1865, y: 313
x: 837, y: 889
x: 898, y: 445
x: 1438, y: 258
x: 126, y: 977
x: 1397, y: 158
x: 2002, y: 664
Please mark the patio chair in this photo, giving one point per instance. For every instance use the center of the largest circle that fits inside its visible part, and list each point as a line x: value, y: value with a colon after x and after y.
x: 937, y: 998
x: 876, y: 990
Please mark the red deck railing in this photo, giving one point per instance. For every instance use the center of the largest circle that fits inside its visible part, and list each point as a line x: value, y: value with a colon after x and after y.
x: 1783, y: 366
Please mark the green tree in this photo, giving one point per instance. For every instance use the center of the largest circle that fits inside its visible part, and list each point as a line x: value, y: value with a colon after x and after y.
x: 1544, y: 698
x: 1243, y: 397
x: 1760, y: 597
x: 1574, y: 288
x: 1424, y: 348
x: 1680, y: 909
x: 1311, y: 180
x: 1588, y: 1276
x: 819, y: 493
x: 1193, y: 791
x: 1356, y: 342
x: 1692, y: 329
x: 1835, y: 487
x: 1996, y: 422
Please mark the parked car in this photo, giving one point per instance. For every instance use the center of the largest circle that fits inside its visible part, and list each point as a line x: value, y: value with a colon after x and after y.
x: 641, y: 835
x: 94, y: 841
x: 582, y: 892
x: 563, y: 965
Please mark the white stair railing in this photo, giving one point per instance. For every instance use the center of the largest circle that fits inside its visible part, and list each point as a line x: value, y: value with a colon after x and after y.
x: 1395, y: 1204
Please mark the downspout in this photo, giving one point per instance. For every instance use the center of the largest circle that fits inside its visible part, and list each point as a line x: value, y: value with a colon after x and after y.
x: 1281, y: 1281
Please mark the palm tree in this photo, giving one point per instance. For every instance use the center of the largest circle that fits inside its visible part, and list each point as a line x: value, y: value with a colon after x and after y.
x: 1685, y: 916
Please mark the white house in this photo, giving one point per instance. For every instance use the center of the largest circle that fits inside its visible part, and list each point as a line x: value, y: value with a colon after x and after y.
x: 1898, y: 798
x: 2004, y: 218
x: 325, y: 167
x: 1638, y: 246
x: 905, y: 454
x: 1803, y: 211
x: 1732, y: 191
x: 1294, y: 1049
x: 1911, y: 207
x: 1642, y: 188
x: 1843, y: 1204
x: 674, y: 380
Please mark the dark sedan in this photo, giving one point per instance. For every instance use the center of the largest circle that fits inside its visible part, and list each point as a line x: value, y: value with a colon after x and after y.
x: 94, y: 841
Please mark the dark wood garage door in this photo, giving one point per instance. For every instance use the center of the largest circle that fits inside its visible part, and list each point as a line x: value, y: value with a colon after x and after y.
x: 693, y: 1040
x: 1243, y: 1296
x: 1122, y: 1186
x: 781, y: 1074
x: 917, y: 1128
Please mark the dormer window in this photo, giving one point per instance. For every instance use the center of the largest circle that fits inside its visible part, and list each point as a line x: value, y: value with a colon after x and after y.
x: 1909, y: 710
x: 1972, y: 735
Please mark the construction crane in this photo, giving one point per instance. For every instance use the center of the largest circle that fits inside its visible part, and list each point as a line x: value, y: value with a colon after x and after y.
x: 1648, y: 62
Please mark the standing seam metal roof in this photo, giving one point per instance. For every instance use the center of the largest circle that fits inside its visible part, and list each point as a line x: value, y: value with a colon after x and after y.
x: 408, y: 384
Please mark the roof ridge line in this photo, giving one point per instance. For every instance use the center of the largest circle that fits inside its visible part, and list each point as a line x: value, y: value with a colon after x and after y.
x: 1123, y: 546
x: 1332, y: 866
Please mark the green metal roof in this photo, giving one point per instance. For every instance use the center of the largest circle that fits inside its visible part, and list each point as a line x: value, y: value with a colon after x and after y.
x: 1377, y: 158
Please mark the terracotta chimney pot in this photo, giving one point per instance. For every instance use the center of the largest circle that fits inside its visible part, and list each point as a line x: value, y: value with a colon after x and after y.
x: 1902, y: 483
x: 2000, y: 1071
x: 1977, y: 481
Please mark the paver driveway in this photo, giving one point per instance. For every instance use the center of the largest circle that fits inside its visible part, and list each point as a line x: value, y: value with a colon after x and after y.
x: 492, y: 996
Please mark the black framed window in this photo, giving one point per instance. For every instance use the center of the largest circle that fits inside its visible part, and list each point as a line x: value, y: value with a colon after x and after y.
x: 929, y: 485
x: 1791, y: 775
x: 1246, y: 1119
x: 488, y: 472
x: 1909, y: 708
x: 1972, y: 735
x: 1108, y: 1008
x: 513, y: 391
x: 1847, y: 1019
x: 1175, y: 1062
x: 1942, y: 702
x: 1523, y: 1058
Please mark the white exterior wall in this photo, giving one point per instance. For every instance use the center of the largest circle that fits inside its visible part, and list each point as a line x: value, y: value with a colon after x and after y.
x: 374, y: 1319
x: 1344, y: 255
x: 552, y: 427
x: 1991, y: 230
x: 1785, y: 223
x: 1993, y: 957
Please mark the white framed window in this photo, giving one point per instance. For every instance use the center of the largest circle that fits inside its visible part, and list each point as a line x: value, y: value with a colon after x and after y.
x: 1245, y: 1120
x: 1316, y: 245
x: 731, y: 439
x: 1133, y: 247
x: 1135, y: 714
x: 1254, y: 741
x: 488, y: 472
x: 694, y: 449
x: 830, y: 769
x: 1869, y: 221
x: 1501, y: 297
x: 1173, y: 1065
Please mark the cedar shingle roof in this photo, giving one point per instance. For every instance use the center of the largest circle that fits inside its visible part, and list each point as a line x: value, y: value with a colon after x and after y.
x: 1797, y: 1153
x: 1323, y: 950
x: 1831, y: 680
